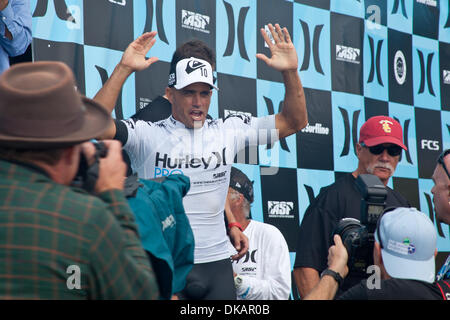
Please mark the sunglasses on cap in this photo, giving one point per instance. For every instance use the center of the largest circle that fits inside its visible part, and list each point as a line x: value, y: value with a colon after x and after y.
x: 392, y: 150
x: 441, y: 161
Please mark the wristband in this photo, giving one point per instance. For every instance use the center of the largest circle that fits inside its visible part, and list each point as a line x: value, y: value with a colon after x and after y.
x: 235, y: 224
x: 335, y: 275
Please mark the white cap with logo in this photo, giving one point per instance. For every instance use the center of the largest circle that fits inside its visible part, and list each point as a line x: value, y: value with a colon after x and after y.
x: 408, y: 241
x: 191, y: 70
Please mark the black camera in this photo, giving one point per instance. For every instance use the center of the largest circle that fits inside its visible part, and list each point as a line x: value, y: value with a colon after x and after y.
x: 358, y: 236
x: 87, y: 174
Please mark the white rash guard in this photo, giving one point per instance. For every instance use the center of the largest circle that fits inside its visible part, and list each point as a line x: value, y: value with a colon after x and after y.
x: 205, y: 155
x: 266, y: 269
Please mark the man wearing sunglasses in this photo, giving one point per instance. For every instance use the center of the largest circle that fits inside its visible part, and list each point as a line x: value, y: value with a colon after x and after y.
x: 378, y: 151
x: 441, y: 200
x: 404, y: 252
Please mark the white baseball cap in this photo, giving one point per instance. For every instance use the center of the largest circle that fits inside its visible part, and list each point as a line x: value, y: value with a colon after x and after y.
x: 191, y: 70
x: 408, y: 242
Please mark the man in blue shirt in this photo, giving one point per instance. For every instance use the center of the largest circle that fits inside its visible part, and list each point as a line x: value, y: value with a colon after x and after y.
x: 15, y: 30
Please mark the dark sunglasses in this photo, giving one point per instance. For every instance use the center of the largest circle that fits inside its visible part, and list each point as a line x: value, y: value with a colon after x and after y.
x: 393, y: 151
x: 441, y: 161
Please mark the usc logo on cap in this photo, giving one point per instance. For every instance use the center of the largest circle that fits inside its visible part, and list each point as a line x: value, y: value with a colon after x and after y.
x: 386, y: 125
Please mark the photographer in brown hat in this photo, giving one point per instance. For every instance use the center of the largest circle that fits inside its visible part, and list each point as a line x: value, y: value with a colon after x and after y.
x: 58, y: 241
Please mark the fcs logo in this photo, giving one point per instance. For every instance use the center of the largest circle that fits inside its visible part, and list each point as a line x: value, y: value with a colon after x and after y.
x: 386, y: 125
x: 432, y: 145
x: 375, y: 61
x: 315, y: 47
x: 280, y: 209
x: 240, y: 31
x: 400, y: 67
x: 347, y: 54
x: 428, y: 71
x: 195, y: 21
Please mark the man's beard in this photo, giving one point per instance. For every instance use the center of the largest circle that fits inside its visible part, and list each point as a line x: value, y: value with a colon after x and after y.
x: 371, y: 168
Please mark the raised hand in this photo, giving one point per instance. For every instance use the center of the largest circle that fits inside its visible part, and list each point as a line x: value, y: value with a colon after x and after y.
x: 284, y: 56
x: 134, y: 57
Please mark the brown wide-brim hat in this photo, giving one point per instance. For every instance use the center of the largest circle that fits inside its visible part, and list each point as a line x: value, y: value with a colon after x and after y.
x: 40, y: 108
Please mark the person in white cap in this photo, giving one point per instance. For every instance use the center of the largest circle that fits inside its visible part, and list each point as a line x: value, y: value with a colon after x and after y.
x: 203, y: 149
x: 404, y: 252
x: 378, y: 150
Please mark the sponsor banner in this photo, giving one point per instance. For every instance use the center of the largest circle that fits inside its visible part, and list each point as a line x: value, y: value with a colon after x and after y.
x: 283, y: 152
x: 348, y: 117
x: 68, y: 52
x: 400, y: 67
x: 237, y: 96
x: 400, y: 15
x: 99, y: 64
x: 444, y: 74
x: 425, y: 63
x: 114, y: 33
x: 348, y: 7
x: 407, y: 166
x: 61, y: 20
x: 150, y: 83
x: 196, y: 19
x: 157, y: 15
x: 426, y: 18
x: 346, y: 53
x: 312, y: 41
x: 280, y: 204
x: 309, y: 183
x: 376, y: 63
x: 408, y: 188
x: 236, y: 37
x: 315, y: 141
x: 429, y: 140
x: 265, y: 15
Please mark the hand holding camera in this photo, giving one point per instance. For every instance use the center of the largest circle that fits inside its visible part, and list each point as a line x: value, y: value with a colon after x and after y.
x: 338, y: 256
x: 101, y: 167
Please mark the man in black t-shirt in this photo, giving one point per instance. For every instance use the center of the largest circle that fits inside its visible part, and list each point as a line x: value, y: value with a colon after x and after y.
x: 404, y: 253
x: 379, y: 148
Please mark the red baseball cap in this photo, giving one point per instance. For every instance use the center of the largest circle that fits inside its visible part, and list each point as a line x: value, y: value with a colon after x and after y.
x: 381, y: 129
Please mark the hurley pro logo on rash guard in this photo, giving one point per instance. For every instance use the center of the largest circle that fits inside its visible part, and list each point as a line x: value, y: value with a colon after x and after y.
x: 166, y: 165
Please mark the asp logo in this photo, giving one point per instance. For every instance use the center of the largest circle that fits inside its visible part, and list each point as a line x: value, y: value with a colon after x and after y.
x: 348, y: 54
x: 280, y: 209
x: 195, y: 21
